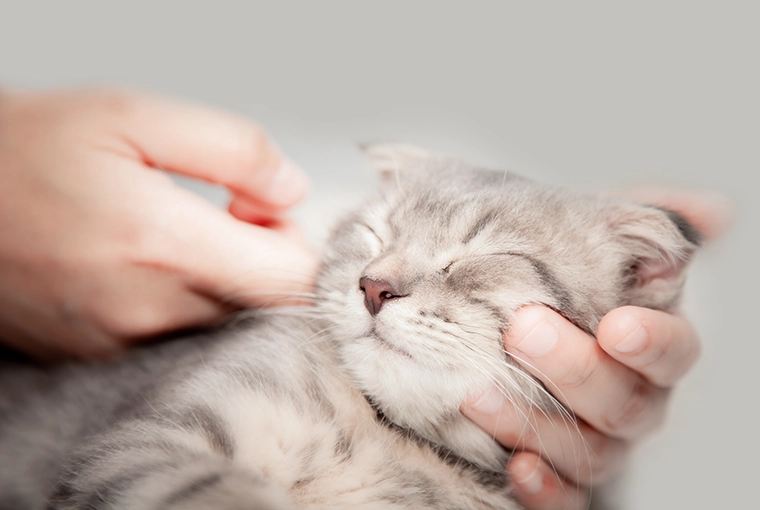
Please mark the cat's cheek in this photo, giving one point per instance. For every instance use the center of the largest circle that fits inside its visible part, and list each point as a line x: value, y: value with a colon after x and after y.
x: 355, y: 320
x: 344, y: 305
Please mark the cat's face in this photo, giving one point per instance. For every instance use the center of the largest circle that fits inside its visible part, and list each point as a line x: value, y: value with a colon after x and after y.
x: 423, y: 281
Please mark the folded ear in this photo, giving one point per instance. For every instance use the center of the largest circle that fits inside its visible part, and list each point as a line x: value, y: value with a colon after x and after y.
x: 395, y: 161
x: 657, y: 246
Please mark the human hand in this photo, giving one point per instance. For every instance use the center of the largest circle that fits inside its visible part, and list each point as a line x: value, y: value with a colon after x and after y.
x: 99, y: 248
x: 617, y: 385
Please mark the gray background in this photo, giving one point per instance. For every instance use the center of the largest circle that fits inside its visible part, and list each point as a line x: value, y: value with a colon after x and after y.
x: 592, y: 96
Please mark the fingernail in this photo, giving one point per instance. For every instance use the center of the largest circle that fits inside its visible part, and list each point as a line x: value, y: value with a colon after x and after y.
x: 540, y: 340
x: 532, y: 484
x: 288, y: 184
x: 489, y: 402
x: 634, y: 341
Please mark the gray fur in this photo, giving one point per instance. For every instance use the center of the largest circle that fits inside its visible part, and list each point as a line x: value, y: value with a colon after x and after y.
x: 330, y: 407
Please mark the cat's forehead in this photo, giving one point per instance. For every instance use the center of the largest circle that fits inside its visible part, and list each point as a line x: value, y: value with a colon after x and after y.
x: 467, y: 208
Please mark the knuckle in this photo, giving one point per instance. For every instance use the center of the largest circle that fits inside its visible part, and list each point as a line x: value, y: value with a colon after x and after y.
x: 253, y: 151
x: 668, y: 357
x: 598, y: 461
x: 137, y: 321
x: 592, y: 456
x: 136, y: 245
x: 679, y: 362
x: 135, y: 310
x: 524, y: 438
x: 581, y: 371
x: 654, y: 354
x: 694, y: 352
x: 629, y: 413
x: 123, y: 318
x: 518, y: 433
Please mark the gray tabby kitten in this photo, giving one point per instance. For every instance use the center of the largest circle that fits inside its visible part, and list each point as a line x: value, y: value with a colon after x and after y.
x: 353, y: 404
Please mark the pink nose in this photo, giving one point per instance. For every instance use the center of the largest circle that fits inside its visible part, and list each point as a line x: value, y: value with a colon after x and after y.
x: 376, y: 293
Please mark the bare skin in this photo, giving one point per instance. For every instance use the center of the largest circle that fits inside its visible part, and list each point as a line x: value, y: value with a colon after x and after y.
x: 100, y: 249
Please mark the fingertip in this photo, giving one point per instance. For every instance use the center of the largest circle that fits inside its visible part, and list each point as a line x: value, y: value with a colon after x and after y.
x: 287, y: 186
x: 526, y: 474
x: 253, y: 211
x: 533, y: 330
x: 623, y: 331
x: 537, y: 331
x: 528, y: 316
x: 244, y: 209
x: 537, y: 487
x: 659, y: 345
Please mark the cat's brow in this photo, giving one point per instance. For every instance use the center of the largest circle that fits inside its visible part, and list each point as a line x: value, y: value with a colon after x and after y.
x: 503, y: 254
x: 492, y: 254
x: 479, y: 226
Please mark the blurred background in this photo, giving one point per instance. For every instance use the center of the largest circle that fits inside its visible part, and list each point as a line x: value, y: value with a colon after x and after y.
x: 588, y: 95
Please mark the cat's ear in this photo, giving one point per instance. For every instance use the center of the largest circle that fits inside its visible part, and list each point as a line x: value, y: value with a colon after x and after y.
x: 658, y: 245
x: 395, y: 161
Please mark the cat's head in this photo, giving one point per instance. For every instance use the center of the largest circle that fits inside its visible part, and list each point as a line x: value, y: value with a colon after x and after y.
x: 422, y: 281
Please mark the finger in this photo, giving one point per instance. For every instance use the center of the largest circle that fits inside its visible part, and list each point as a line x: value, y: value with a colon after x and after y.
x: 537, y: 487
x: 608, y: 395
x: 239, y: 263
x: 577, y: 451
x: 246, y: 210
x: 204, y: 143
x: 180, y: 310
x: 151, y: 299
x: 710, y: 212
x: 660, y: 346
x: 48, y: 344
x: 253, y: 211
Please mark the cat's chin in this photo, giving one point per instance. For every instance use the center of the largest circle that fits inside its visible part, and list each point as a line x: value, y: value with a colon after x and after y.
x: 386, y: 346
x: 421, y: 398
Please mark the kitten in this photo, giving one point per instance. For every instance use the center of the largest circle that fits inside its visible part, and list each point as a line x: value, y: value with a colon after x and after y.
x: 353, y: 403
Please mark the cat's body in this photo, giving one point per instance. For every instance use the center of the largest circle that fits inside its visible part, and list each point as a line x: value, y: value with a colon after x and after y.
x: 266, y: 400
x: 354, y: 403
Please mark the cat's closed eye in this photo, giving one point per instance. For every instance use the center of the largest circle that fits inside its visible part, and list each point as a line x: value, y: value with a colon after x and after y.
x: 366, y: 228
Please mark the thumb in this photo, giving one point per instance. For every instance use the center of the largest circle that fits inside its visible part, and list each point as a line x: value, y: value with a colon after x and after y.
x: 216, y: 146
x: 243, y: 264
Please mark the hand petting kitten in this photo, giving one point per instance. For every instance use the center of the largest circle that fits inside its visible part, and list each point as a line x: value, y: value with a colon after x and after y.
x: 100, y: 249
